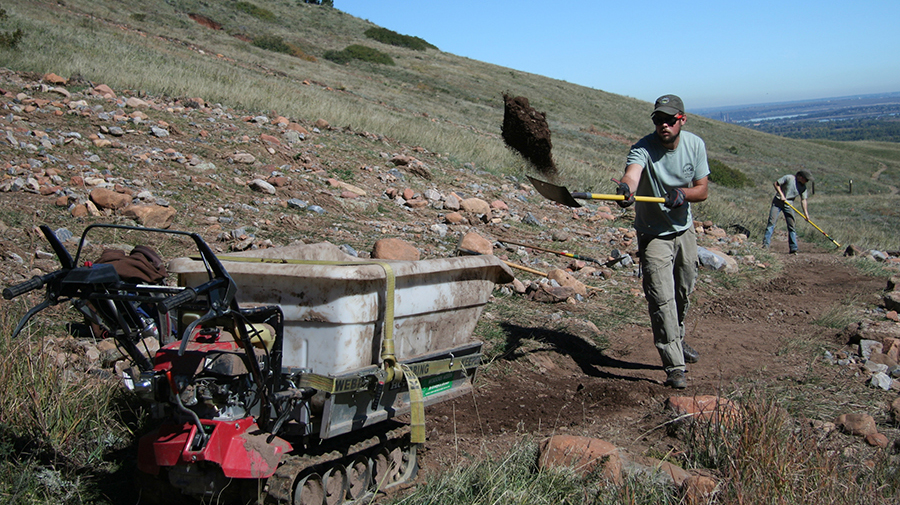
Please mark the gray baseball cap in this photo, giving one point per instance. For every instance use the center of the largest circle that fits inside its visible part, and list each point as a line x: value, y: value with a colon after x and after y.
x: 668, y: 104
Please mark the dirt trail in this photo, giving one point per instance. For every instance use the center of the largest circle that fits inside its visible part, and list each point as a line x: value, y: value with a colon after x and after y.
x: 618, y: 394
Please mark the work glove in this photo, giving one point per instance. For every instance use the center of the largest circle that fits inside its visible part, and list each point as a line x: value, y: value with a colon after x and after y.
x: 625, y: 191
x: 674, y: 198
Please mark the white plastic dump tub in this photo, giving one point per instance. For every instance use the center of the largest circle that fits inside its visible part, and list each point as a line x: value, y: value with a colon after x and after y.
x: 334, y: 314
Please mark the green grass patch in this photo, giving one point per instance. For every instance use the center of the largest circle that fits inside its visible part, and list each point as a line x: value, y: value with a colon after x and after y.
x: 722, y: 174
x: 393, y: 38
x: 253, y: 10
x: 361, y: 53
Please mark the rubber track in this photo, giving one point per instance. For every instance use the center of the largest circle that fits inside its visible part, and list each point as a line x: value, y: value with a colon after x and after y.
x: 280, y: 486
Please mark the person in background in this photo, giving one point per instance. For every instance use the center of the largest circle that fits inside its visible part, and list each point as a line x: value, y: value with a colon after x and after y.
x: 669, y: 163
x: 787, y: 189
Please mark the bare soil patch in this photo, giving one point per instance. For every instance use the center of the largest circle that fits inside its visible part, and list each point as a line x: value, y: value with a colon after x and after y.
x: 617, y: 394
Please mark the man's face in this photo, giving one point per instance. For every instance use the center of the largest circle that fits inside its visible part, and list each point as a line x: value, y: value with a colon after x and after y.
x: 668, y: 128
x: 802, y: 180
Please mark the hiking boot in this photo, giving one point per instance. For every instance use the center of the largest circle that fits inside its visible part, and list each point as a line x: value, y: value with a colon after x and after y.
x: 793, y: 252
x: 690, y: 354
x: 675, y: 379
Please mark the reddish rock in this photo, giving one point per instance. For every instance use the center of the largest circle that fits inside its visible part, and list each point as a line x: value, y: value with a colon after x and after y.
x: 297, y: 128
x: 877, y: 440
x: 151, y: 216
x: 79, y: 211
x: 394, y: 249
x: 108, y: 199
x: 583, y: 454
x: 698, y: 490
x: 472, y: 241
x: 454, y: 218
x: 707, y: 408
x: 279, y: 181
x: 857, y: 424
x: 270, y: 139
x: 417, y: 203
x: 55, y: 79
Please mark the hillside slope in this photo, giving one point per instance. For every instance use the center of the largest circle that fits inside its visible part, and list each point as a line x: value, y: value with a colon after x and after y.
x: 445, y: 103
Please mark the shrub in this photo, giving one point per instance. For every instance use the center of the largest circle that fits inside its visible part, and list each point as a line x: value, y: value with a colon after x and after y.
x: 358, y: 52
x: 9, y: 40
x: 393, y: 38
x: 257, y: 12
x: 724, y: 175
x: 272, y: 43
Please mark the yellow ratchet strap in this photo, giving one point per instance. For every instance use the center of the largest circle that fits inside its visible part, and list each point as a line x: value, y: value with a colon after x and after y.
x: 392, y: 371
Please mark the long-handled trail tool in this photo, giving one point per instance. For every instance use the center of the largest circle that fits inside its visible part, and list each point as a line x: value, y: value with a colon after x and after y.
x: 519, y: 267
x: 567, y: 254
x: 560, y: 194
x: 812, y: 223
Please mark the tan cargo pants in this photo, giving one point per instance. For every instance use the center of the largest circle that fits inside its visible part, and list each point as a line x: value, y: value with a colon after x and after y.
x: 669, y: 268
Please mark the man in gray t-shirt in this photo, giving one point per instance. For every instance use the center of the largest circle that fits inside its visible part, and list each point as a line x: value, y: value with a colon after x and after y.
x: 787, y: 189
x: 668, y: 163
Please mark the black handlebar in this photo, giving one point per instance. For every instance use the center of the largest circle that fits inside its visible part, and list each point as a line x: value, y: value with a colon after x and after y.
x: 188, y: 295
x: 191, y: 294
x: 36, y: 282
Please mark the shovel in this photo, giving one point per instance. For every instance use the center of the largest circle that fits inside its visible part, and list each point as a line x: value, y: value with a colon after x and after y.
x: 561, y: 195
x: 810, y: 222
x: 568, y: 254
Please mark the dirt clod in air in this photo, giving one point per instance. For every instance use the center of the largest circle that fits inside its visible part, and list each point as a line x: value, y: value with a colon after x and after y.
x: 526, y: 130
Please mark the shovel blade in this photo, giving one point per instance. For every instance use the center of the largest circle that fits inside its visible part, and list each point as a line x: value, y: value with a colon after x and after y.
x: 558, y: 194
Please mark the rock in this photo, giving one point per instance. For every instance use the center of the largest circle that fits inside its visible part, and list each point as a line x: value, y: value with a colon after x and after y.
x: 108, y: 199
x: 705, y: 408
x: 895, y: 408
x: 658, y: 471
x: 151, y: 216
x: 451, y: 203
x: 892, y: 301
x: 394, y: 249
x: 545, y: 293
x: 567, y: 280
x: 475, y: 206
x: 472, y: 241
x: 499, y: 205
x: 869, y: 347
x: 55, y: 79
x: 347, y: 187
x: 881, y: 380
x: 519, y: 288
x: 583, y: 454
x: 698, y: 490
x: 262, y: 186
x: 877, y: 440
x: 717, y: 260
x: 454, y: 218
x: 104, y: 91
x: 245, y: 158
x: 856, y: 424
x: 852, y: 250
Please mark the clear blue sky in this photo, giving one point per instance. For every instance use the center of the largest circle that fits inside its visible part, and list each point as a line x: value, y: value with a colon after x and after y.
x: 711, y: 53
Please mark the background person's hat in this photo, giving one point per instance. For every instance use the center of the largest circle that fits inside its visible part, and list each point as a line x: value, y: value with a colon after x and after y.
x: 668, y: 104
x: 805, y: 174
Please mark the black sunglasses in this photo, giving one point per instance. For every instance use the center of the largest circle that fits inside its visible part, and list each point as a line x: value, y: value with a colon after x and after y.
x: 660, y: 119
